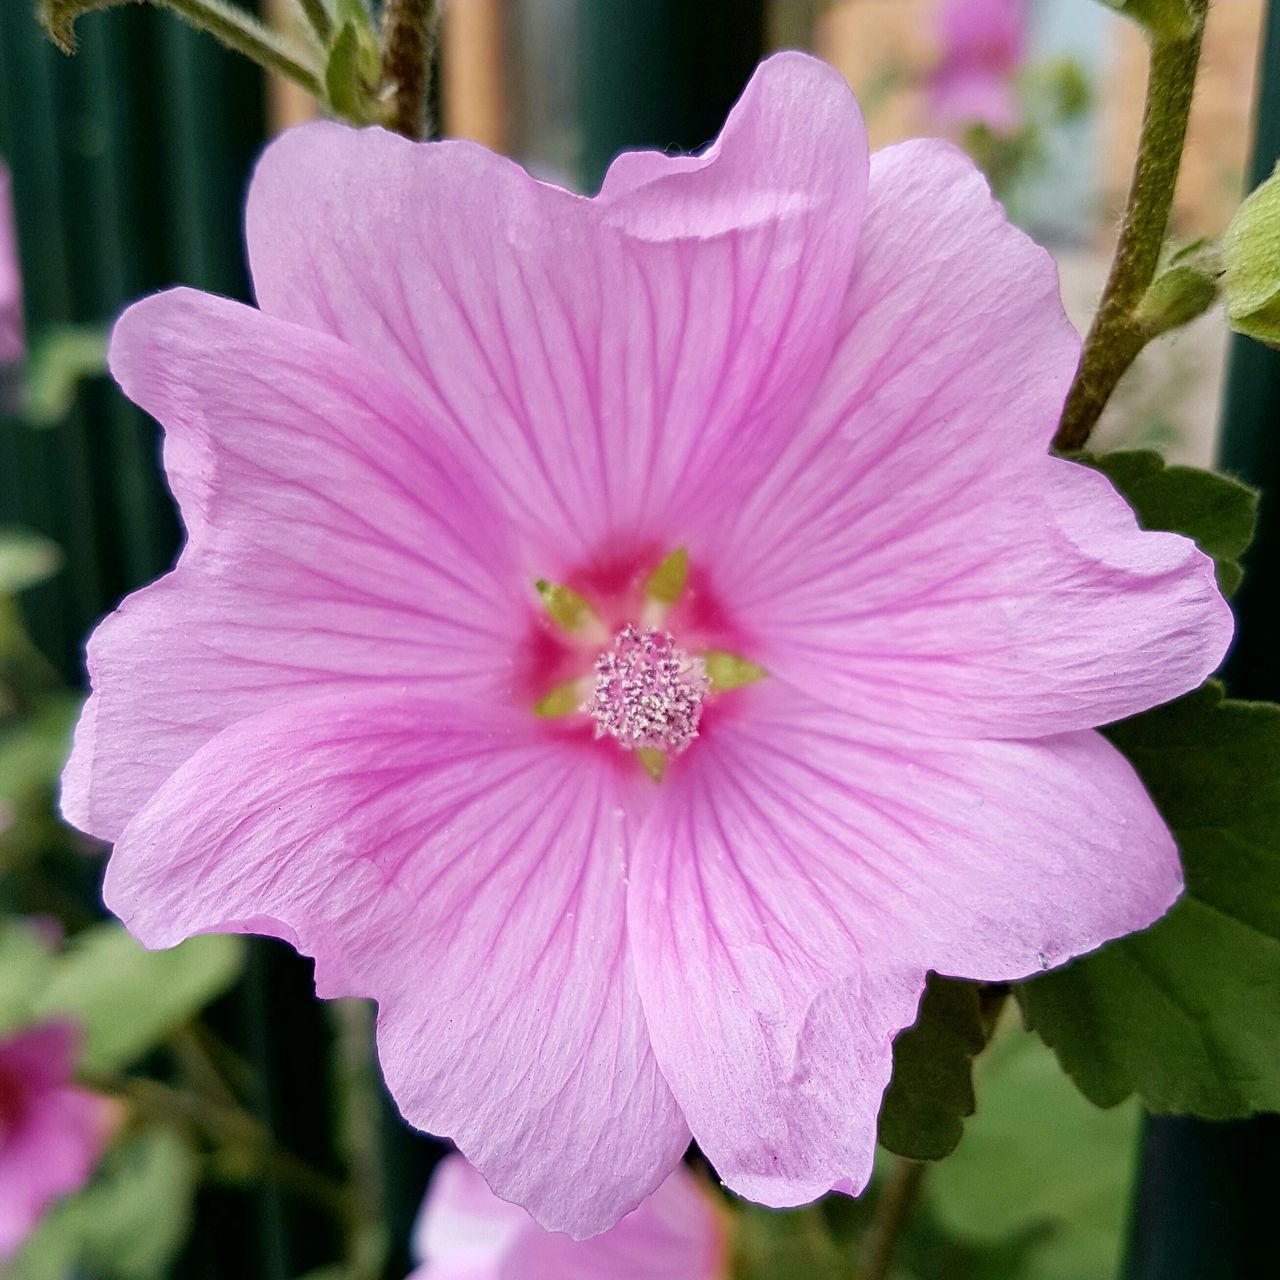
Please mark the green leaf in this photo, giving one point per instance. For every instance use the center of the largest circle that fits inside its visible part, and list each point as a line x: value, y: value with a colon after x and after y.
x: 1039, y: 1163
x: 26, y: 962
x: 1251, y: 250
x: 1218, y: 513
x: 128, y: 1224
x: 1187, y: 1014
x: 26, y: 559
x: 128, y: 999
x: 931, y: 1093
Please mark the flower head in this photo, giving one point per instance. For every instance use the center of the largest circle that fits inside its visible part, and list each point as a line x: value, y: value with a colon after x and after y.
x: 51, y: 1133
x: 465, y: 1232
x: 483, y: 447
x: 983, y: 44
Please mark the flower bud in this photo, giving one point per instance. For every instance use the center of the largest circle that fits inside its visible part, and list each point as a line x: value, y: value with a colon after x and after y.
x: 1251, y: 249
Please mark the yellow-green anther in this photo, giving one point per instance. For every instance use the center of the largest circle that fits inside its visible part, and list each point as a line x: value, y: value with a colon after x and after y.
x: 728, y: 671
x: 566, y: 608
x: 563, y: 700
x: 654, y: 761
x: 667, y: 582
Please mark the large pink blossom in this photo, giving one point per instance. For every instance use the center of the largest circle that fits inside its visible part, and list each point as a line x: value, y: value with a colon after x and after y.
x: 832, y: 381
x: 983, y: 44
x: 12, y: 342
x: 51, y: 1133
x: 465, y: 1232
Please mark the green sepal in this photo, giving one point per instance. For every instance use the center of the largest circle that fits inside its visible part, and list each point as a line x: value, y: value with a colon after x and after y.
x: 563, y: 700
x: 351, y: 66
x: 654, y: 762
x: 1187, y: 1014
x: 565, y: 607
x: 1251, y: 250
x: 1181, y: 293
x: 728, y: 671
x: 931, y: 1093
x: 667, y: 582
x: 1218, y: 513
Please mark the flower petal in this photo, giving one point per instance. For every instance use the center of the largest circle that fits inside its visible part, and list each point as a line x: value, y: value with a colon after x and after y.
x: 612, y: 360
x: 466, y: 873
x: 914, y: 553
x: 334, y: 544
x: 465, y: 1231
x: 802, y: 872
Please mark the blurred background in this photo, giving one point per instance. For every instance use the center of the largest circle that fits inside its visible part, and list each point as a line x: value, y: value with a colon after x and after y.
x: 129, y: 165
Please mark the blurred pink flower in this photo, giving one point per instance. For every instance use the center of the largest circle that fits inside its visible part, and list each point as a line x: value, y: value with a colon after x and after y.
x: 51, y: 1133
x: 983, y: 45
x: 12, y: 342
x: 833, y: 381
x: 465, y: 1232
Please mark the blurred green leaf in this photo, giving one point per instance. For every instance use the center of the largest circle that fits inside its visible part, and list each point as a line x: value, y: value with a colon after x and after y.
x: 787, y: 1245
x: 128, y: 1224
x: 1187, y: 1013
x: 61, y: 358
x: 26, y: 961
x: 33, y: 751
x: 127, y: 998
x: 1040, y: 1171
x: 1218, y: 513
x: 931, y: 1093
x: 26, y: 559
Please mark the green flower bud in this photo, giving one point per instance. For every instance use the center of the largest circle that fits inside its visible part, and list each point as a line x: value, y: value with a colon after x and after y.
x: 1251, y: 249
x: 1186, y: 289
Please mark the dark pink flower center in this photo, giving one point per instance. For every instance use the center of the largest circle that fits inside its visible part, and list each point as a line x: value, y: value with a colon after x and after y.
x: 648, y: 693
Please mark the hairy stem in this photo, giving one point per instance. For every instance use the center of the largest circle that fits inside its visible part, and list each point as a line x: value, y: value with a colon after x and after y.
x: 1117, y: 336
x: 894, y: 1211
x: 227, y: 23
x: 408, y: 45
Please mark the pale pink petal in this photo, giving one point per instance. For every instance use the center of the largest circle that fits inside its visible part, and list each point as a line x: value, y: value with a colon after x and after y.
x: 334, y: 545
x: 914, y: 553
x: 802, y: 871
x: 466, y: 871
x: 466, y: 1233
x: 961, y: 96
x: 612, y: 360
x: 51, y: 1134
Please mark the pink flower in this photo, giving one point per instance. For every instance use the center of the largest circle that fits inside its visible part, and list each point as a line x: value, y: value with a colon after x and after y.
x: 51, y: 1134
x: 983, y: 44
x: 465, y: 1232
x: 12, y: 343
x: 833, y: 382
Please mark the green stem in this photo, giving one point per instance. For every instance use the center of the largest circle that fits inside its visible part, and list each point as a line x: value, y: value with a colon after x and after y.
x: 1117, y: 337
x: 230, y: 1126
x: 894, y: 1211
x: 360, y: 1133
x: 227, y: 23
x: 408, y: 45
